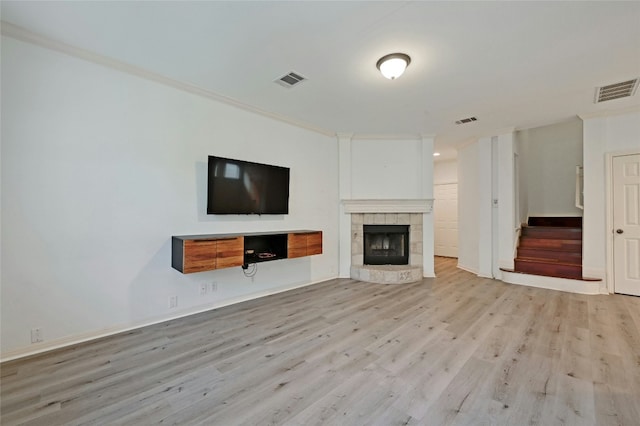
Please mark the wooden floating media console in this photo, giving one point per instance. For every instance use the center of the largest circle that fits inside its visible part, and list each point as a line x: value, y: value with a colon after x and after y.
x: 199, y: 253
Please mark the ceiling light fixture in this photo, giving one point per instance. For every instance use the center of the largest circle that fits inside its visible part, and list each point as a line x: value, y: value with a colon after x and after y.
x: 393, y: 65
x: 436, y: 154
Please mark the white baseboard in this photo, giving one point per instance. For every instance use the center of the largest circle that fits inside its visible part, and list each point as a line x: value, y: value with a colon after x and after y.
x: 597, y: 273
x: 552, y: 283
x: 97, y: 334
x: 468, y: 268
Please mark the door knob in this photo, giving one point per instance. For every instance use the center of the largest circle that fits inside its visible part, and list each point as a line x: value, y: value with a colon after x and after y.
x: 619, y: 231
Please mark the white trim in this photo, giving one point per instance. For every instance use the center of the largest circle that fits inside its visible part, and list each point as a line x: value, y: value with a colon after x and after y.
x: 25, y: 35
x: 86, y: 337
x: 546, y: 123
x: 579, y: 186
x: 388, y: 136
x: 608, y: 190
x: 424, y: 205
x: 608, y: 218
x: 597, y: 273
x: 344, y: 135
x: 391, y: 136
x: 467, y: 268
x: 552, y: 283
x: 609, y: 113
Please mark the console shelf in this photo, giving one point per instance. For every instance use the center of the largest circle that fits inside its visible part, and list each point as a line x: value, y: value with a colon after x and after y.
x: 198, y: 253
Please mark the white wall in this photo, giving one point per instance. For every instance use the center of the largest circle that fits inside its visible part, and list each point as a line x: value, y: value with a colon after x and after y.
x: 520, y: 142
x: 468, y: 202
x: 486, y: 232
x: 549, y: 156
x: 445, y: 172
x: 602, y: 136
x: 507, y: 184
x: 100, y: 168
x: 383, y: 169
x: 484, y: 210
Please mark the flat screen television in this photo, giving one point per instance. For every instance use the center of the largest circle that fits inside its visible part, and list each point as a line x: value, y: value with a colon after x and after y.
x: 243, y: 187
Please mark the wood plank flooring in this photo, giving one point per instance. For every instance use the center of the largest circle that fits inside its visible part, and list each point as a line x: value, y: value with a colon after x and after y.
x: 456, y: 349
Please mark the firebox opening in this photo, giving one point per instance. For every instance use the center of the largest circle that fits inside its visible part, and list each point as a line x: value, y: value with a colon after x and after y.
x: 386, y: 244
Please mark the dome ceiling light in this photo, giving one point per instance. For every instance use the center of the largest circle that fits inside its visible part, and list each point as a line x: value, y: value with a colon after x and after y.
x: 393, y: 65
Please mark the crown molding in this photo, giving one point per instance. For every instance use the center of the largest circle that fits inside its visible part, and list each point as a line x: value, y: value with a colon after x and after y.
x: 344, y: 135
x: 389, y: 136
x: 609, y: 113
x: 547, y: 123
x: 22, y: 34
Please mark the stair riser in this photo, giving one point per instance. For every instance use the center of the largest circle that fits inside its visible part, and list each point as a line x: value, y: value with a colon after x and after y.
x: 556, y: 221
x: 550, y: 233
x: 552, y: 270
x: 551, y: 255
x: 566, y: 245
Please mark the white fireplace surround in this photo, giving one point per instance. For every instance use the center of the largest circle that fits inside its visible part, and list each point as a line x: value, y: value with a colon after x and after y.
x: 387, y: 212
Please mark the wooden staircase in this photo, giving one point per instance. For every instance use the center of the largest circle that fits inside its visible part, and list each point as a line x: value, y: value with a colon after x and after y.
x: 551, y: 247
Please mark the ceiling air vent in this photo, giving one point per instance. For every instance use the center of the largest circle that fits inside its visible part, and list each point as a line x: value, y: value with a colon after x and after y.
x: 290, y: 80
x: 616, y: 91
x: 467, y: 120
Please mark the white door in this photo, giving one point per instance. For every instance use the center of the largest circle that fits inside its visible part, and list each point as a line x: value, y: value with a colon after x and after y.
x: 626, y: 224
x: 445, y: 216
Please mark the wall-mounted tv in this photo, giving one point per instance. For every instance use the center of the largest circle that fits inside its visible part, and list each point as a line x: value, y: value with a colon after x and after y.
x: 243, y: 187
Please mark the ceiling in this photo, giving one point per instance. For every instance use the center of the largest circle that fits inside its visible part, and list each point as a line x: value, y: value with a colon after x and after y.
x: 510, y: 64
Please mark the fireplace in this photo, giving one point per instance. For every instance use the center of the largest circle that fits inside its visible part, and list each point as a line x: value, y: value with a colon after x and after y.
x: 389, y: 245
x: 386, y: 244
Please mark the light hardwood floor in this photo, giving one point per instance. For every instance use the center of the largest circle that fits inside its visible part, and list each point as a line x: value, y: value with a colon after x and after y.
x: 457, y: 349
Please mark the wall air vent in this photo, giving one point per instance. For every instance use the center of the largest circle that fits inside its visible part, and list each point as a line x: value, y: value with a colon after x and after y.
x: 290, y: 80
x: 616, y: 91
x: 467, y: 120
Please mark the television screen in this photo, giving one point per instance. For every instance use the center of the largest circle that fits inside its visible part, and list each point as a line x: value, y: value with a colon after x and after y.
x: 243, y: 187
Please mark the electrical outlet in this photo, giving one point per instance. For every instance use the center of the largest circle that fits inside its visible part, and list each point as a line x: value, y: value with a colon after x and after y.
x: 204, y: 289
x: 173, y: 302
x: 36, y: 335
x: 214, y: 286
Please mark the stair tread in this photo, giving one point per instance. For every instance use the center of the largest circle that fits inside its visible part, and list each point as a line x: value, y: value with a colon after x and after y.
x: 552, y: 235
x: 530, y: 240
x: 537, y: 240
x: 553, y: 228
x: 513, y: 271
x: 537, y: 245
x: 547, y: 261
x: 544, y: 253
x: 550, y: 250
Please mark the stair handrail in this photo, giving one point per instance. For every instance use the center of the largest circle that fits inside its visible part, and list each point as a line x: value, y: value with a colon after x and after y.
x: 579, y: 187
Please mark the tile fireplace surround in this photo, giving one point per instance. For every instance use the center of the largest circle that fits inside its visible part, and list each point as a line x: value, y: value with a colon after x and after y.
x: 386, y: 274
x: 385, y: 215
